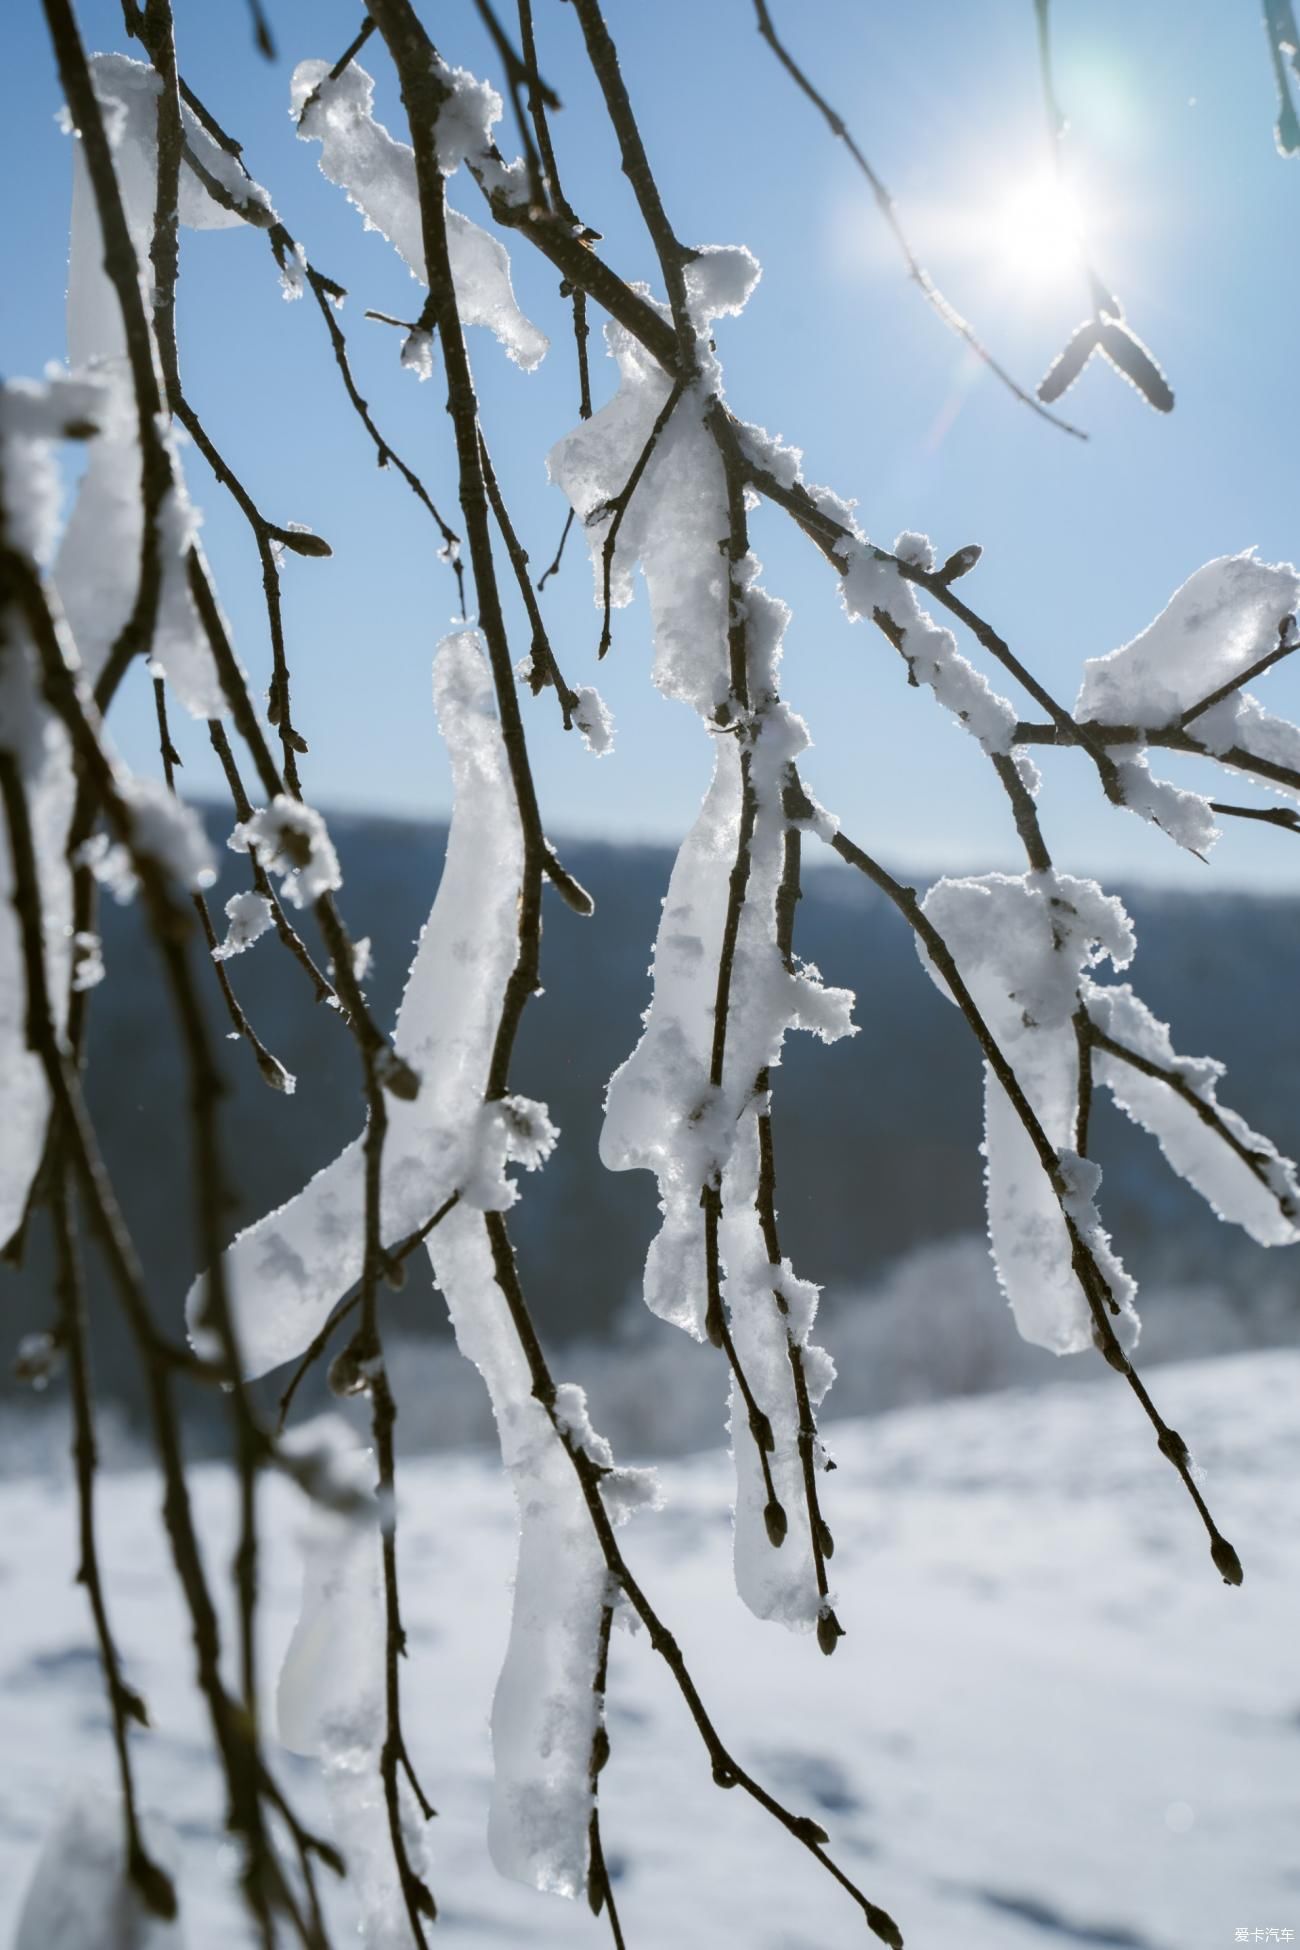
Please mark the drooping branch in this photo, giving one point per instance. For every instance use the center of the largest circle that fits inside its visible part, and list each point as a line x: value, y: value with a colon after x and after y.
x: 233, y: 1728
x: 1256, y: 1162
x: 124, y: 1703
x: 1091, y: 1280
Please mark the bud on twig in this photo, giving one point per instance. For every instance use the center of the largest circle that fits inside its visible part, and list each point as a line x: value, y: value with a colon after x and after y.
x: 1226, y: 1561
x: 882, y: 1923
x: 960, y: 562
x: 810, y: 1831
x: 829, y: 1631
x: 154, y: 1884
x: 1171, y: 1444
x: 775, y: 1519
x: 301, y: 541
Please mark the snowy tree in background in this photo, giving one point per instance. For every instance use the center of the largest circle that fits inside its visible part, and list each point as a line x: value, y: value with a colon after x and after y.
x: 663, y: 479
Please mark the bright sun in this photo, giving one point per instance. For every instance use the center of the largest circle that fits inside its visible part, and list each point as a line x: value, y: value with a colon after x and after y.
x: 1033, y: 232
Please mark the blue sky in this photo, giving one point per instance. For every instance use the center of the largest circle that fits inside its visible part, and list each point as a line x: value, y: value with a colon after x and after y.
x: 1191, y: 214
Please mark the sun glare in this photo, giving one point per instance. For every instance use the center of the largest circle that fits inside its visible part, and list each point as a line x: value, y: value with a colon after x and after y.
x: 1033, y: 232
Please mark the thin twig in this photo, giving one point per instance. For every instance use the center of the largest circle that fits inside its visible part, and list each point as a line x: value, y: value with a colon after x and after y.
x: 559, y: 553
x: 600, y: 1891
x: 545, y: 670
x: 1288, y: 640
x: 1091, y: 1280
x: 929, y: 290
x: 393, y: 1256
x: 124, y: 1703
x: 1257, y: 1163
x: 619, y: 505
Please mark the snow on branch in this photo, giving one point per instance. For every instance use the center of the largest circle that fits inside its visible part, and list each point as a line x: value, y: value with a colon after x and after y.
x: 378, y: 173
x: 288, y: 1269
x: 1240, y: 1174
x: 1022, y: 945
x: 1227, y: 622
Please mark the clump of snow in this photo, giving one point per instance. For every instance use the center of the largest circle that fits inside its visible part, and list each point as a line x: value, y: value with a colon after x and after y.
x: 1021, y: 945
x: 1224, y: 618
x: 672, y: 526
x: 249, y: 916
x: 546, y: 1711
x: 917, y: 550
x: 110, y: 862
x: 170, y: 832
x: 287, y: 1271
x: 417, y: 353
x: 1186, y: 816
x: 293, y: 841
x: 720, y: 280
x: 378, y: 174
x: 180, y: 645
x: 510, y: 1130
x: 594, y: 720
x: 87, y: 960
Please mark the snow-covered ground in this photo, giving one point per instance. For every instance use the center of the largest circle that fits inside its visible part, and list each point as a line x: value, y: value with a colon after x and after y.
x: 1050, y: 1722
